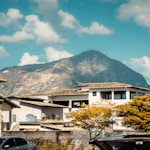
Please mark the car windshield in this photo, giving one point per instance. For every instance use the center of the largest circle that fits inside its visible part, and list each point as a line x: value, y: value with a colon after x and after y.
x: 139, y: 145
x: 2, y: 140
x: 121, y: 142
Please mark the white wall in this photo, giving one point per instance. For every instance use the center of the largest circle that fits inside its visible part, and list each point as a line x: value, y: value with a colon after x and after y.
x: 70, y: 97
x: 94, y: 99
x: 24, y: 110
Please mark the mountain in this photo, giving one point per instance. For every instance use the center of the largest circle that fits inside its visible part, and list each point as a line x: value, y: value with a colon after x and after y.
x: 89, y: 66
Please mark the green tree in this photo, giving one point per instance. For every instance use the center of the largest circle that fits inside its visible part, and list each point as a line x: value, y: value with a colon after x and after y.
x: 95, y: 118
x: 136, y: 113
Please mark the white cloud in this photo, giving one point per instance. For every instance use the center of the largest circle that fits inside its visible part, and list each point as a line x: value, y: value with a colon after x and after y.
x: 34, y: 29
x: 12, y: 17
x: 46, y: 7
x: 67, y: 20
x: 29, y: 59
x: 16, y: 37
x: 3, y: 52
x: 138, y: 10
x: 70, y: 22
x: 141, y: 65
x: 53, y: 54
x: 96, y: 29
x: 43, y: 32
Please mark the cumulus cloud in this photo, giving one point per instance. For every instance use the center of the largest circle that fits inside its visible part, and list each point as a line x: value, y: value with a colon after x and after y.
x: 3, y: 52
x: 46, y: 7
x: 142, y: 65
x: 67, y: 20
x: 12, y: 17
x: 29, y: 59
x: 70, y: 22
x: 34, y: 29
x: 43, y: 32
x: 96, y: 29
x: 53, y: 54
x: 137, y: 10
x: 16, y: 37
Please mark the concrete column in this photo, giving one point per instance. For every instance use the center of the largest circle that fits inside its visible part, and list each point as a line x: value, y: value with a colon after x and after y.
x: 70, y: 103
x: 100, y: 96
x: 1, y: 118
x: 112, y: 95
x: 127, y: 94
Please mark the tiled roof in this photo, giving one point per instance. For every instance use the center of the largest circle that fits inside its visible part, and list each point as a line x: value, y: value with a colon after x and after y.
x: 62, y: 92
x: 43, y: 104
x: 106, y: 85
x: 4, y: 99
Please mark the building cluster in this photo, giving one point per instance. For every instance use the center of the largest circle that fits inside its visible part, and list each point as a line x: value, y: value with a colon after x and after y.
x: 43, y: 110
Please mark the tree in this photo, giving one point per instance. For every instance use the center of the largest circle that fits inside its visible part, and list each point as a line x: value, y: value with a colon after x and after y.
x: 95, y: 118
x: 136, y: 113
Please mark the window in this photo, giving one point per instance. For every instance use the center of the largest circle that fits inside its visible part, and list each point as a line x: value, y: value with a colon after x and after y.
x: 94, y: 93
x: 106, y: 95
x: 14, y: 118
x: 78, y: 104
x: 132, y: 94
x: 20, y: 141
x: 65, y: 103
x: 31, y: 118
x: 119, y: 95
x: 9, y: 143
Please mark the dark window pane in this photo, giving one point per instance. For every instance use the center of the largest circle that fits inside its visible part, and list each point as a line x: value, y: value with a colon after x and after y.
x: 20, y: 141
x: 94, y: 93
x: 9, y: 142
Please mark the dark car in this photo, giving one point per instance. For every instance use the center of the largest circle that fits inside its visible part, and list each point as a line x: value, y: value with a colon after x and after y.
x: 15, y: 143
x: 124, y: 142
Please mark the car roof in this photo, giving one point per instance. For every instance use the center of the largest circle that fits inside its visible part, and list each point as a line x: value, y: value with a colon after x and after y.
x: 125, y: 138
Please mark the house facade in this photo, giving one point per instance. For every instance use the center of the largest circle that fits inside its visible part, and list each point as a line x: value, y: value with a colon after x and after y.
x: 34, y: 109
x: 5, y: 106
x: 118, y: 93
x: 55, y: 104
x: 93, y: 93
x: 96, y: 93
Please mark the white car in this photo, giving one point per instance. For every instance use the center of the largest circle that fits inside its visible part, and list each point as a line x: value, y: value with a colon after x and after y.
x: 15, y: 143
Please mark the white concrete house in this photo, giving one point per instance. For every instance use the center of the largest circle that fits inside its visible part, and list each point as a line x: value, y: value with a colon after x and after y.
x: 33, y: 109
x: 55, y: 104
x: 91, y: 93
x: 5, y: 106
x: 95, y: 93
x: 118, y: 93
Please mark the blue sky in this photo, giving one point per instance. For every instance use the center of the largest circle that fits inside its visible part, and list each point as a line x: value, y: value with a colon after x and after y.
x: 41, y: 31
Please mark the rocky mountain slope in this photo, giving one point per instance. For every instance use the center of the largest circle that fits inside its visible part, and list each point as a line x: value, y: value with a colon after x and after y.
x: 89, y: 66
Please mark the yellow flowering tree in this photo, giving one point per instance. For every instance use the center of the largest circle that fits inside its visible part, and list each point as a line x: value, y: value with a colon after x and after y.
x: 95, y: 118
x: 136, y: 113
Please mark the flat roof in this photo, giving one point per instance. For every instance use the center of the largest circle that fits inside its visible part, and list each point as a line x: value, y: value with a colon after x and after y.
x: 28, y: 97
x: 63, y: 92
x: 106, y: 85
x: 42, y: 104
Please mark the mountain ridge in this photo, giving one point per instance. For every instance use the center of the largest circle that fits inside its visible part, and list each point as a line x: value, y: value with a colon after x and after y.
x: 89, y: 66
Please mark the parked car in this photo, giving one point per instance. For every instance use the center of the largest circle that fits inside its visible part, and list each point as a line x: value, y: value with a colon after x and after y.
x: 15, y: 143
x: 124, y: 142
